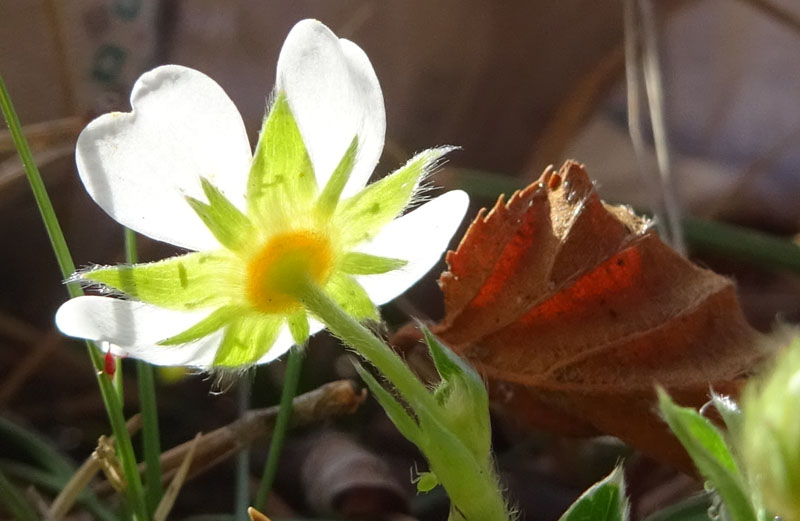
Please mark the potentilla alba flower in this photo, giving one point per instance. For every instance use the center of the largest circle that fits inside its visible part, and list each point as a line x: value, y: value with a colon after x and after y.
x: 179, y: 169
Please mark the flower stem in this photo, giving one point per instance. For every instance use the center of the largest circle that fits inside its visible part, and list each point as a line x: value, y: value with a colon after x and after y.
x: 471, y: 484
x: 293, y: 367
x: 67, y: 266
x: 358, y: 337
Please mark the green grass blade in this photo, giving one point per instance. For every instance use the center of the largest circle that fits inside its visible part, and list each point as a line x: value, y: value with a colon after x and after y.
x: 293, y: 367
x: 14, y: 501
x: 151, y: 444
x: 67, y: 266
x: 52, y: 483
x: 25, y: 441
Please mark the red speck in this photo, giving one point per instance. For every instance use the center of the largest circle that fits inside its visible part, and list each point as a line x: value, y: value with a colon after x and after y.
x: 110, y: 364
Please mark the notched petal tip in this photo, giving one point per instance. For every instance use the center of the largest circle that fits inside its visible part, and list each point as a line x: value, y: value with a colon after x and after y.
x: 334, y: 94
x: 137, y: 166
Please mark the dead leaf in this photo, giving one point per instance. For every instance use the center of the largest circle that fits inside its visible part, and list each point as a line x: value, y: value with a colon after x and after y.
x: 575, y: 309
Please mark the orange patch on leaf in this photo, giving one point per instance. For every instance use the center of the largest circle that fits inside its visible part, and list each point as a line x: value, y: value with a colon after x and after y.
x: 575, y: 310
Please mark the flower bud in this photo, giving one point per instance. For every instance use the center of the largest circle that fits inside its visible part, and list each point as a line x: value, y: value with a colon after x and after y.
x: 770, y: 443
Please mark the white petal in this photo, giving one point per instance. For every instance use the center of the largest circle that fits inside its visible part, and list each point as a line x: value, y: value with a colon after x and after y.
x: 138, y: 166
x: 419, y: 237
x: 334, y: 95
x: 135, y: 328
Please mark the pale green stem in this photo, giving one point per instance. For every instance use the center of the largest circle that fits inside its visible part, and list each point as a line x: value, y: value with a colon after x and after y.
x: 67, y: 266
x: 293, y: 367
x: 151, y: 443
x: 366, y: 344
x: 471, y: 484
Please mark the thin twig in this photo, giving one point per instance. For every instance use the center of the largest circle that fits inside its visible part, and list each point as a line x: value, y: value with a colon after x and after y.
x: 332, y: 399
x: 69, y: 494
x: 642, y: 66
x: 47, y: 134
x: 171, y: 494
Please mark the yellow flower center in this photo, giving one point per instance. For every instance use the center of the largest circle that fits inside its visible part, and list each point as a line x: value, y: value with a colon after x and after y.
x: 285, y: 261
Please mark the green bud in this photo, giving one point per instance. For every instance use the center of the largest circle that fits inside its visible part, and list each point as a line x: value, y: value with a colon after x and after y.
x: 770, y: 437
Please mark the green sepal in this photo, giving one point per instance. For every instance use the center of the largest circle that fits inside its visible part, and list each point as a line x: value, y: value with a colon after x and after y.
x: 707, y: 448
x: 357, y: 263
x: 281, y: 184
x: 298, y: 327
x: 462, y: 396
x: 188, y: 282
x: 351, y: 297
x: 360, y: 217
x: 227, y: 223
x: 329, y: 198
x: 603, y: 501
x: 247, y: 339
x: 394, y: 410
x: 216, y: 320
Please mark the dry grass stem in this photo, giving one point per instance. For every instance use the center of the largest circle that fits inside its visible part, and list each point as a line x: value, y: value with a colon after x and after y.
x: 332, y: 399
x: 171, y: 494
x: 69, y: 494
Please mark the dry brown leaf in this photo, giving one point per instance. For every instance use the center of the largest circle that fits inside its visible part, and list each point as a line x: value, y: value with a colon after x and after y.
x: 575, y: 310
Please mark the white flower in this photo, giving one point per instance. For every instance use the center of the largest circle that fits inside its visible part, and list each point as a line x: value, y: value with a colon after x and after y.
x: 179, y: 169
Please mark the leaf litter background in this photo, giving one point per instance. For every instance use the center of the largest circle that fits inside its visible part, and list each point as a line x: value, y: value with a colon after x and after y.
x: 519, y: 85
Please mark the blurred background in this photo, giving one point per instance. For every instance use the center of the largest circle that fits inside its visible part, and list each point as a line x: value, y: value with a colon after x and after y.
x: 518, y: 85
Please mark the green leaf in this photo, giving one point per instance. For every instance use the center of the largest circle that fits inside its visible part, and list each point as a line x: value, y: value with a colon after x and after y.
x: 329, y: 198
x: 216, y: 320
x: 281, y: 185
x: 396, y: 412
x: 226, y: 222
x: 247, y: 339
x: 603, y: 501
x: 360, y: 217
x: 708, y: 450
x: 191, y: 281
x: 357, y: 263
x: 351, y: 297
